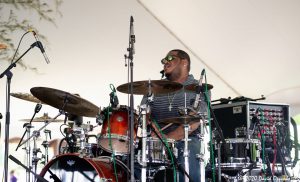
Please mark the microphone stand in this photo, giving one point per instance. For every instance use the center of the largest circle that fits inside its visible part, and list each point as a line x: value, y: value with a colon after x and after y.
x: 9, y: 76
x: 131, y: 52
x: 27, y: 169
x: 220, y: 133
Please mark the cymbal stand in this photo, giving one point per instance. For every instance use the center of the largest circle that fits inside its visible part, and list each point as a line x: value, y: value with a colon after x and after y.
x: 201, y: 154
x: 144, y: 142
x: 47, y: 122
x: 35, y: 151
x: 185, y: 150
x: 144, y: 110
x: 82, y: 142
x: 28, y: 132
x: 186, y: 144
x: 27, y: 149
x: 176, y: 164
x: 45, y: 144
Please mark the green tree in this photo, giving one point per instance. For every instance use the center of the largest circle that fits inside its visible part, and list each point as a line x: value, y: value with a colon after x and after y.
x: 10, y: 23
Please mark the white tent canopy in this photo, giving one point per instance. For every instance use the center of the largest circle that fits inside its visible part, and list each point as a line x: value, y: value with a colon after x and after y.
x: 248, y: 48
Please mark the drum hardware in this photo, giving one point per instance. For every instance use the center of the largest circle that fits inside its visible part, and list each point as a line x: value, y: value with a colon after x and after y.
x: 41, y: 179
x: 185, y: 150
x: 28, y: 126
x: 174, y: 156
x: 9, y: 75
x: 35, y: 151
x: 144, y: 110
x: 45, y: 144
x: 39, y: 130
x: 144, y: 88
x: 201, y: 154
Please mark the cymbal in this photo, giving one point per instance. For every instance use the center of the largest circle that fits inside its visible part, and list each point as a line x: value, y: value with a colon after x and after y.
x: 26, y: 96
x: 194, y: 87
x: 157, y: 87
x: 181, y: 120
x: 43, y: 118
x: 74, y: 104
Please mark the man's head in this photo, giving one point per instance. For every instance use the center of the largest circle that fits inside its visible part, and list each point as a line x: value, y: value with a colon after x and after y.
x: 176, y: 64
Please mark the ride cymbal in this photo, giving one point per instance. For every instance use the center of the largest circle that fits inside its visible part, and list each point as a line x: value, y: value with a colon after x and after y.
x: 156, y: 86
x: 26, y: 96
x: 65, y: 101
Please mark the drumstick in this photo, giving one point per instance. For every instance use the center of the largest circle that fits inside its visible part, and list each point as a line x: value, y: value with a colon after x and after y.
x: 167, y: 126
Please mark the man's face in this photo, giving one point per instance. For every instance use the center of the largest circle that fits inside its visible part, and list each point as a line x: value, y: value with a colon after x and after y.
x: 172, y: 63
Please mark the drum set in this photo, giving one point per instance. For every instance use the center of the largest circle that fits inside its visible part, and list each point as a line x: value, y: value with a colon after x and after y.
x: 108, y: 158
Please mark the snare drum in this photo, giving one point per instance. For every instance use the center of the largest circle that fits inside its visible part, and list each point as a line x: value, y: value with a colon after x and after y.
x: 72, y: 168
x: 156, y: 152
x: 115, y: 131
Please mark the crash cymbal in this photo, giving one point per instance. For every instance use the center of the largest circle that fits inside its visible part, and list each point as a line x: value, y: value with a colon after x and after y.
x: 157, y: 87
x: 181, y: 120
x: 194, y: 87
x: 43, y: 118
x: 26, y: 96
x: 74, y: 104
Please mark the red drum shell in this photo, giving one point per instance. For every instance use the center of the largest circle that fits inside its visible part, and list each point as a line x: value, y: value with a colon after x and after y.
x: 72, y: 168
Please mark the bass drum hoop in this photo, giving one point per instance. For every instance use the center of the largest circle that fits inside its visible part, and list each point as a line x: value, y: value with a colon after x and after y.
x: 95, y: 163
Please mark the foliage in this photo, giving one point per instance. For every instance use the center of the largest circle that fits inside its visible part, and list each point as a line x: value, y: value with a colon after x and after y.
x: 11, y: 23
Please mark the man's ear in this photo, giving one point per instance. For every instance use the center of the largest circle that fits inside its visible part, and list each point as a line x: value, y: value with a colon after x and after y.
x: 185, y: 62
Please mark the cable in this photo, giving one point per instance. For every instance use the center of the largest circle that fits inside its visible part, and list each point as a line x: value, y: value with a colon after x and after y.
x: 169, y: 150
x: 112, y: 87
x: 212, y: 157
x: 19, y: 45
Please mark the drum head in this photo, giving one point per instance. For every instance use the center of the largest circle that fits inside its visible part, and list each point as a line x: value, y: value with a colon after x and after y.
x: 72, y: 168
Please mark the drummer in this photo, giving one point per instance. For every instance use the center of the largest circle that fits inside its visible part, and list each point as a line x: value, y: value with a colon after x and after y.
x: 176, y: 67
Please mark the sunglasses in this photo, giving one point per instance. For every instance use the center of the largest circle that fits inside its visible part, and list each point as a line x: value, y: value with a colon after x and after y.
x: 168, y: 59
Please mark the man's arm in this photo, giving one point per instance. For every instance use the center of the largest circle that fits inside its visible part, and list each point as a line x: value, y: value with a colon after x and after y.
x: 178, y: 133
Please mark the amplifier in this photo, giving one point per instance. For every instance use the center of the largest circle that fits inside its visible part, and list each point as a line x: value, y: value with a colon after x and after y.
x: 237, y: 119
x: 239, y: 114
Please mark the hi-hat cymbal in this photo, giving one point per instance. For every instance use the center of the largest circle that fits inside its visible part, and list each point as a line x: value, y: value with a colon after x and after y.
x: 195, y: 87
x: 43, y: 118
x: 181, y: 120
x: 65, y: 101
x: 157, y: 87
x: 26, y: 96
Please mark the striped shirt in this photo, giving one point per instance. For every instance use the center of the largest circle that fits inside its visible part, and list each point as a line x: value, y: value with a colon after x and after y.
x: 167, y: 105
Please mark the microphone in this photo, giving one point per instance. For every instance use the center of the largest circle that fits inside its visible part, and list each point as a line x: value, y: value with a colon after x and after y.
x: 40, y: 45
x: 114, y: 101
x: 132, y: 36
x: 162, y: 72
x: 198, y: 90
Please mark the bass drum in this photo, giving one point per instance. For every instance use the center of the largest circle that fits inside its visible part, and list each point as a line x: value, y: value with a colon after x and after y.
x: 72, y: 168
